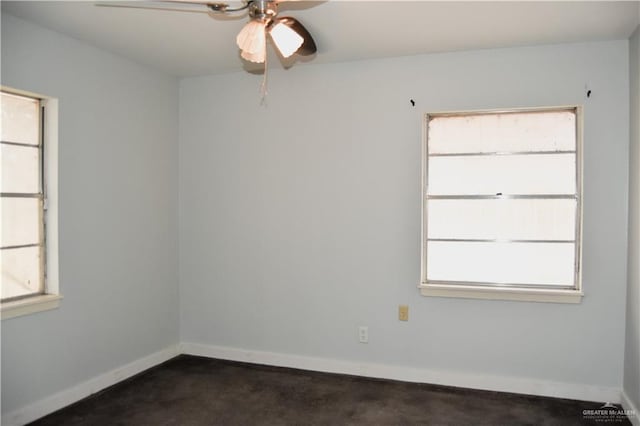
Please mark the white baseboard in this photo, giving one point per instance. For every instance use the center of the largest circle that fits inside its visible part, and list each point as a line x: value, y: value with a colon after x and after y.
x: 67, y: 397
x: 520, y: 385
x: 408, y: 374
x: 628, y: 405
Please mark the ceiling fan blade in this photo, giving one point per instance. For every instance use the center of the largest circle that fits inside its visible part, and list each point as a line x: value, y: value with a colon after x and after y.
x: 308, y: 45
x: 216, y: 6
x: 202, y: 2
x: 161, y: 5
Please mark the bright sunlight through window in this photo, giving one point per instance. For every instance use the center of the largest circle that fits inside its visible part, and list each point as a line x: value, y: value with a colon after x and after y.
x: 22, y: 233
x: 501, y: 205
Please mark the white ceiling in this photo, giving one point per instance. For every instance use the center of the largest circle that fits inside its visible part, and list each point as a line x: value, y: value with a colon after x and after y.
x: 188, y: 44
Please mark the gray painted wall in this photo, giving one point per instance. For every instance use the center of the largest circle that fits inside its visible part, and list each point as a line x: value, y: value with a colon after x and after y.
x: 632, y: 346
x: 118, y: 215
x: 300, y: 220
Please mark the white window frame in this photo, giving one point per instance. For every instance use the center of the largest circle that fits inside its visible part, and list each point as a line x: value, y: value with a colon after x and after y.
x: 50, y: 298
x: 499, y: 291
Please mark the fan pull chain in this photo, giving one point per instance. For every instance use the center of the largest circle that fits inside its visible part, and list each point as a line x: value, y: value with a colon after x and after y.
x: 263, y: 87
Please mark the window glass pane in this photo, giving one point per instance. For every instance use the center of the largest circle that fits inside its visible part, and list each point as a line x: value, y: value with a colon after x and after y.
x: 20, y: 116
x: 526, y: 131
x: 20, y: 221
x: 519, y: 219
x: 20, y: 169
x: 20, y: 271
x: 506, y: 174
x: 506, y: 263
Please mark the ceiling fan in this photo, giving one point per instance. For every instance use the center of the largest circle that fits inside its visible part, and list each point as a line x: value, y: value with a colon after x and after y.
x: 286, y: 33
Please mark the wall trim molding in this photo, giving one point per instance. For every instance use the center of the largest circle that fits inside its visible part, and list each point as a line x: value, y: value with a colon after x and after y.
x: 521, y: 385
x: 627, y: 404
x: 82, y: 390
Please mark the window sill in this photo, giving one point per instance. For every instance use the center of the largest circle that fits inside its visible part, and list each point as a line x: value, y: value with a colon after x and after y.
x: 517, y: 294
x: 30, y: 305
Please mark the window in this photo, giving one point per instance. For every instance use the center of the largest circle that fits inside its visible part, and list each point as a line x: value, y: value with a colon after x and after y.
x: 502, y: 205
x: 24, y: 197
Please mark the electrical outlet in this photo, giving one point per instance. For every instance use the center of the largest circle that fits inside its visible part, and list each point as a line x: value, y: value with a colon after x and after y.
x: 363, y: 334
x: 403, y: 312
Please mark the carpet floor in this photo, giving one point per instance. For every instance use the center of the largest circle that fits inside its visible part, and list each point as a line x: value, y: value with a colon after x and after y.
x: 194, y: 391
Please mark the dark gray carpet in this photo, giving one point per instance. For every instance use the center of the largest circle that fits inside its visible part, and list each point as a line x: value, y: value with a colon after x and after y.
x: 196, y: 391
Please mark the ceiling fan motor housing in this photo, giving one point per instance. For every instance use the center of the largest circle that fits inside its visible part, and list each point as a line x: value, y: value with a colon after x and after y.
x: 263, y: 10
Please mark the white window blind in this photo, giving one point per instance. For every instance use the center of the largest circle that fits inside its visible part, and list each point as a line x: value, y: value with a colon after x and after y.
x: 22, y: 198
x: 501, y: 206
